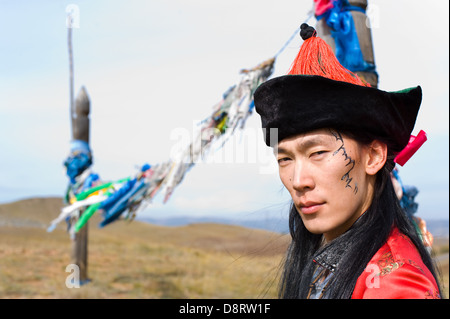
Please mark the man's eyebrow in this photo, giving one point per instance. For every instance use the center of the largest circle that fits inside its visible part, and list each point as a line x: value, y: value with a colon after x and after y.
x: 304, y: 145
x: 277, y: 150
x: 312, y: 142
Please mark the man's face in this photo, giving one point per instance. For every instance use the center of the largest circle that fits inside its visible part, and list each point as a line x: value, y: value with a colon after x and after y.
x: 325, y: 174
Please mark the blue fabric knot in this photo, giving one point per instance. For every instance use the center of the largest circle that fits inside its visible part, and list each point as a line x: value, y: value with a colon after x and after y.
x: 343, y: 31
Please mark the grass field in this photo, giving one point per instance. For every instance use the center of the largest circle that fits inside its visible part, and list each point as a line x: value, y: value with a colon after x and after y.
x: 138, y: 260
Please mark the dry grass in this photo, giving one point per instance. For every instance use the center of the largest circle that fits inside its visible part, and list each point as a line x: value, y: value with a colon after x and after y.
x: 132, y: 266
x: 440, y: 250
x: 138, y: 260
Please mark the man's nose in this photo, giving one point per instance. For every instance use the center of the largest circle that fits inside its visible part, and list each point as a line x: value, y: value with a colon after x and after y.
x: 302, y: 177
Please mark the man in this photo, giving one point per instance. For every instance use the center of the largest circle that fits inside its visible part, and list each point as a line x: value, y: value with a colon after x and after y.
x: 335, y: 139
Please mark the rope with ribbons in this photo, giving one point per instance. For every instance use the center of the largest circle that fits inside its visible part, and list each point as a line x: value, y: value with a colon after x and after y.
x: 87, y: 194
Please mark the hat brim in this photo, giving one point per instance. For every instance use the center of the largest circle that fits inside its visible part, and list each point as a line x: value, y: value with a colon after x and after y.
x: 296, y: 104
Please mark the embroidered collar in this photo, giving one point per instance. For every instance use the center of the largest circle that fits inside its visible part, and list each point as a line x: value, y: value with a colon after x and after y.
x: 330, y: 255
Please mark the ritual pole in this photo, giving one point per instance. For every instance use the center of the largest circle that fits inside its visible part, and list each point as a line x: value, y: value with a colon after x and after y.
x: 80, y: 131
x: 364, y: 33
x: 79, y: 119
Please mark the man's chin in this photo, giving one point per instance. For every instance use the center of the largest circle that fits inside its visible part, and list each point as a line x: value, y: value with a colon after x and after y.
x: 314, y: 227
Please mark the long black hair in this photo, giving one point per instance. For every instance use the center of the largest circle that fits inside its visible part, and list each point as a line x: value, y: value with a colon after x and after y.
x: 370, y: 234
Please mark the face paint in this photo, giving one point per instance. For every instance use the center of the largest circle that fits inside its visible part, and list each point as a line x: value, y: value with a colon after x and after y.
x: 349, y: 162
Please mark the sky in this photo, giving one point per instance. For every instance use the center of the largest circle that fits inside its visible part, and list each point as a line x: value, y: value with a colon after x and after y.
x: 153, y: 69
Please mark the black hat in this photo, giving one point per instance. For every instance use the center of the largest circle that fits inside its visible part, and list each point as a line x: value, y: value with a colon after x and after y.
x: 319, y: 93
x: 296, y: 104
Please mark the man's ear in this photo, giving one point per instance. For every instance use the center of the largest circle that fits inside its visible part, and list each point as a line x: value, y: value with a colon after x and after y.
x: 376, y: 157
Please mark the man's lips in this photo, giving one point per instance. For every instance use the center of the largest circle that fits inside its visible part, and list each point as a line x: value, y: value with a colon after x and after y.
x: 310, y: 207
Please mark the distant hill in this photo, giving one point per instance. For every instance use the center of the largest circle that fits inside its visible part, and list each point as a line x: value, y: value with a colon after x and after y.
x: 41, y: 210
x: 31, y: 212
x: 439, y: 228
x: 278, y: 225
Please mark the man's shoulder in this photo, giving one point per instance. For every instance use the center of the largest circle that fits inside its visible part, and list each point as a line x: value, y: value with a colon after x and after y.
x: 396, y: 271
x: 397, y: 251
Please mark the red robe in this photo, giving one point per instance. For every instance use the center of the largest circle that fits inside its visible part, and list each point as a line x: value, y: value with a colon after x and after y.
x: 396, y: 271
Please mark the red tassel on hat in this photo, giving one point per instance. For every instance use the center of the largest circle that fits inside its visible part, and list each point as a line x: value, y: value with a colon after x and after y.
x: 316, y: 57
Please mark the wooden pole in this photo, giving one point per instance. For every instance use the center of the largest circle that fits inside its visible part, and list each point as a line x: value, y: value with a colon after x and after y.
x: 364, y: 33
x: 80, y: 131
x: 79, y: 120
x: 69, y: 45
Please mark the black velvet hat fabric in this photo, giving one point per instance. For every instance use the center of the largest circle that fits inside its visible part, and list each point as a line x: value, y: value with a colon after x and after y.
x: 296, y: 104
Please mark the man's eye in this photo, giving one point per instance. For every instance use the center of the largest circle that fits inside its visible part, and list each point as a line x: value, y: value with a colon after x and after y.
x: 283, y: 160
x: 318, y: 153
